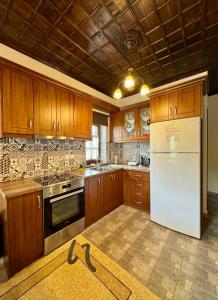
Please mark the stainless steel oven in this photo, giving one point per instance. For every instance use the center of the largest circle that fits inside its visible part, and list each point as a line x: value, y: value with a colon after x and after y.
x: 64, y: 209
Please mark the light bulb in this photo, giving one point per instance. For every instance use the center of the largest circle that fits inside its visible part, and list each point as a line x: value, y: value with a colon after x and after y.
x: 145, y: 90
x: 129, y: 83
x: 117, y: 93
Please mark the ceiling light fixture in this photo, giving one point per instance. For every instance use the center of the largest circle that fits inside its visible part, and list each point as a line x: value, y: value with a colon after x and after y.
x: 129, y: 83
x: 128, y: 43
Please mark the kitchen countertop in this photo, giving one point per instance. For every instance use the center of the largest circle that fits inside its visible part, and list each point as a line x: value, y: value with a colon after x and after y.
x: 15, y: 188
x: 10, y: 189
x: 90, y: 172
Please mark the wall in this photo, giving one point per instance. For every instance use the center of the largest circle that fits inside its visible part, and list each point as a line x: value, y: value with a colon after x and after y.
x: 23, y: 158
x: 213, y: 143
x: 127, y: 151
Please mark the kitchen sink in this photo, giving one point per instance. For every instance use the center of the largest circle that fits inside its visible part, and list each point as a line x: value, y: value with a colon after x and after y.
x: 103, y: 168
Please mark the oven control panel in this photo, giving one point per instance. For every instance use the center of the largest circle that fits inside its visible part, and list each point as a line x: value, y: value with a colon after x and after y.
x: 63, y: 187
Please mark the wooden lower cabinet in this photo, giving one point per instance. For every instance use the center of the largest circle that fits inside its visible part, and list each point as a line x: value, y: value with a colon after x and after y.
x: 111, y: 191
x: 92, y: 200
x: 103, y: 194
x: 23, y: 231
x: 136, y: 189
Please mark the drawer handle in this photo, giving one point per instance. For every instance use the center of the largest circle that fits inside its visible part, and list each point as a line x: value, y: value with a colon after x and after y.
x: 139, y: 184
x: 139, y: 194
x: 138, y: 175
x: 138, y: 202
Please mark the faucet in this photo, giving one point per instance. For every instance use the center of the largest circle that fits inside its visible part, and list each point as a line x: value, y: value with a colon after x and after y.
x: 98, y: 165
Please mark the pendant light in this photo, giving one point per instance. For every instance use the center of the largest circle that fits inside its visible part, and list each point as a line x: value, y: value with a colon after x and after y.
x: 129, y: 83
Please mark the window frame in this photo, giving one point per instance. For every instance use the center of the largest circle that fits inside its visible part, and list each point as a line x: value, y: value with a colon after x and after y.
x: 90, y: 161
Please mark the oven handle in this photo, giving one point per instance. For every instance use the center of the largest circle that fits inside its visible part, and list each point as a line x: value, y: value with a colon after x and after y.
x: 65, y: 196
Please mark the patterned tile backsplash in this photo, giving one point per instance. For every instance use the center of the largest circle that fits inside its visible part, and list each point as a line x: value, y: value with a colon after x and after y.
x: 127, y: 151
x: 24, y: 158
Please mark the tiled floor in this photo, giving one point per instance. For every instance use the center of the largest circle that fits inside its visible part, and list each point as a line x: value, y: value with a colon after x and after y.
x: 171, y: 265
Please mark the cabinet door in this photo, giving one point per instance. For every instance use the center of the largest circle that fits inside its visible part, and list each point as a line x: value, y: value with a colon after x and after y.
x: 144, y: 123
x: 188, y: 102
x: 107, y: 196
x: 160, y: 108
x: 45, y: 96
x: 25, y: 230
x: 82, y: 118
x: 130, y: 124
x: 117, y: 126
x: 117, y: 189
x: 64, y: 113
x: 128, y: 188
x: 17, y: 102
x: 93, y: 211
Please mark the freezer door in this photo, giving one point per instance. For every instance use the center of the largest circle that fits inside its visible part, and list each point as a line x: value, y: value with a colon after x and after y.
x: 175, y: 191
x: 176, y: 136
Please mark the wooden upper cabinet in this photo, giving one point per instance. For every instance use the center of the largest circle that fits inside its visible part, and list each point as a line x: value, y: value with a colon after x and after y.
x: 82, y: 117
x: 65, y: 113
x: 189, y: 100
x: 131, y: 125
x: 183, y: 102
x: 45, y: 97
x: 17, y: 102
x: 160, y: 108
x: 117, y: 123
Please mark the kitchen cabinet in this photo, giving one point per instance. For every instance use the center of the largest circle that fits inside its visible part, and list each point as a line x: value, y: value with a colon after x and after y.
x: 36, y: 106
x: 45, y: 110
x: 103, y: 193
x: 53, y: 110
x: 17, y: 102
x: 65, y: 108
x: 23, y: 231
x: 117, y: 123
x: 189, y: 101
x: 183, y: 102
x: 131, y: 125
x: 136, y: 189
x: 93, y: 208
x: 82, y: 118
x: 111, y: 191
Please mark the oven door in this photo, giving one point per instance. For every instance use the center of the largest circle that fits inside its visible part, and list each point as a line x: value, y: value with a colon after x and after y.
x: 61, y: 211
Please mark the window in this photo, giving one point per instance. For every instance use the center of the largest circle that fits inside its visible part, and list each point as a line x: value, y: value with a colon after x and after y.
x: 96, y: 148
x: 93, y: 147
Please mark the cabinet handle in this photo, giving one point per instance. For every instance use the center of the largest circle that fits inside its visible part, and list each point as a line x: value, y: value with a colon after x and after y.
x: 54, y: 126
x: 171, y: 111
x: 30, y: 123
x: 39, y: 201
x: 111, y: 177
x: 138, y: 175
x: 114, y: 177
x: 99, y: 182
x: 175, y: 110
x: 59, y: 126
x: 139, y: 194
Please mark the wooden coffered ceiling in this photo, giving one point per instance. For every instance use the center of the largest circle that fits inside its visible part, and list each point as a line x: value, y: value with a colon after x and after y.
x: 81, y: 38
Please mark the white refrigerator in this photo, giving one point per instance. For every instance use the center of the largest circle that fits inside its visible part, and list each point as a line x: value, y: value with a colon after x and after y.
x: 176, y: 175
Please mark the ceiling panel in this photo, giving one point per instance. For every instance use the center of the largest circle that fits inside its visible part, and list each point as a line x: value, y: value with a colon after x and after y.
x: 82, y: 38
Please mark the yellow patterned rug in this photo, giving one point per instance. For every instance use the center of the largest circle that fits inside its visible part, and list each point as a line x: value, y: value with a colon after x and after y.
x: 84, y: 272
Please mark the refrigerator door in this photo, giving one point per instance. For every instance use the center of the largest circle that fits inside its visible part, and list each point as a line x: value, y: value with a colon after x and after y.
x: 175, y: 191
x: 176, y: 136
